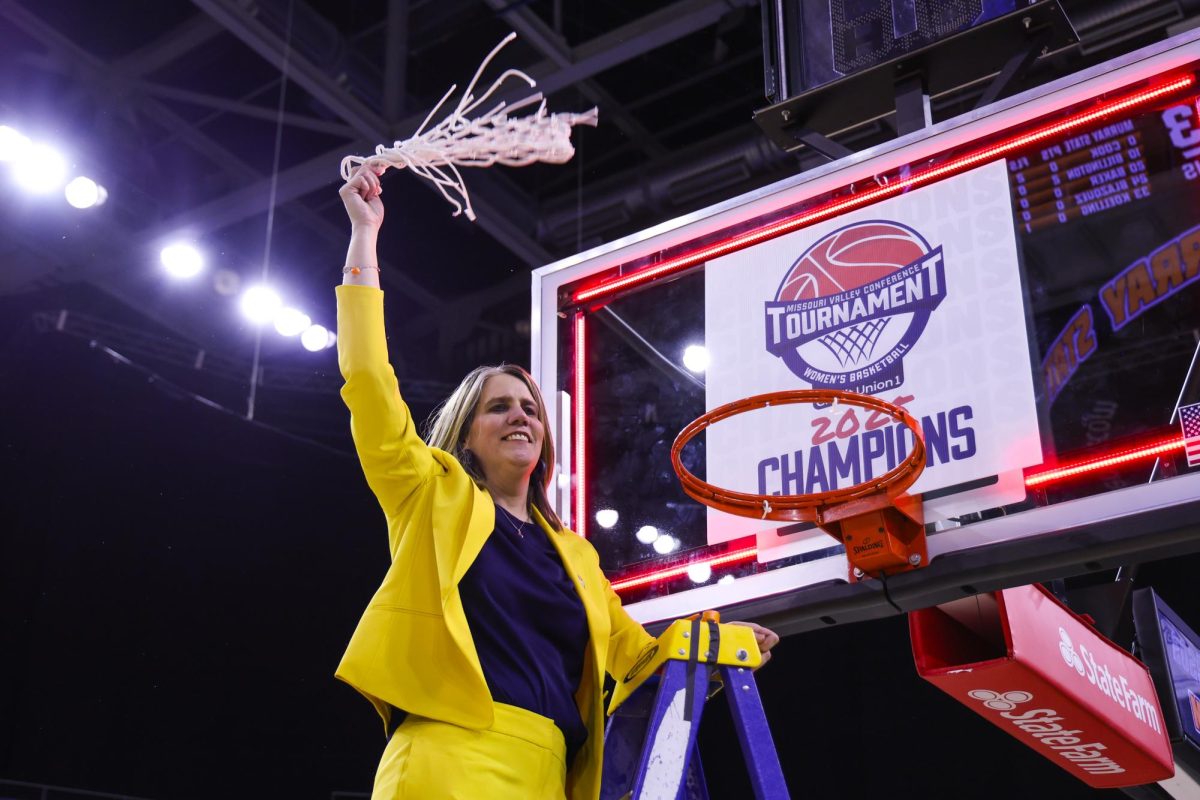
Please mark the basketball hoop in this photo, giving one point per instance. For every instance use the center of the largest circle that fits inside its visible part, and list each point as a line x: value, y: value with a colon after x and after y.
x: 882, y: 528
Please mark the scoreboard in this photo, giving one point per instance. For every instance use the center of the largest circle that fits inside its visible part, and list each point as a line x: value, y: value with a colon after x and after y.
x: 1085, y: 174
x: 1116, y: 163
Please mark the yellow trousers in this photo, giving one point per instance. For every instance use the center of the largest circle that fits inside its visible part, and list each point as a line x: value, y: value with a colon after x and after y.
x: 522, y: 756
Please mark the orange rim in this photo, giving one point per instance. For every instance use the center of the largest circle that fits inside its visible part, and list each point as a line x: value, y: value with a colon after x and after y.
x: 798, y: 506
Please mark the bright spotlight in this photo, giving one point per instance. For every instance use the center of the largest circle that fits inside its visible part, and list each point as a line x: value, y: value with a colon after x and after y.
x: 260, y: 304
x: 84, y: 193
x: 700, y: 571
x: 695, y: 358
x: 292, y: 322
x: 666, y: 544
x: 40, y: 169
x: 181, y: 260
x: 725, y: 579
x: 13, y: 144
x: 647, y: 534
x: 316, y: 338
x: 607, y: 517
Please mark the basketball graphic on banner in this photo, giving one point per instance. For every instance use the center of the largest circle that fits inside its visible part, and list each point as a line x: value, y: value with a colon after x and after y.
x: 849, y: 258
x: 853, y: 304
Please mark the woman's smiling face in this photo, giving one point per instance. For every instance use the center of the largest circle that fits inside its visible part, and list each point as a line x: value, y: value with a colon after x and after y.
x: 506, y: 433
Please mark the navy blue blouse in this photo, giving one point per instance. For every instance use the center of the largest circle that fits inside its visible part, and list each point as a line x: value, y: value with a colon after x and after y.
x: 528, y: 623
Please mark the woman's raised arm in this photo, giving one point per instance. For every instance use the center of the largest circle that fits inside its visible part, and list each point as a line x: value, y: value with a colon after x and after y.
x: 393, y: 457
x: 361, y: 196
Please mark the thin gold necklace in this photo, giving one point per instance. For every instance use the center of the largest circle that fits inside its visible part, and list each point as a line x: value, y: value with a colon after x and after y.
x: 518, y: 522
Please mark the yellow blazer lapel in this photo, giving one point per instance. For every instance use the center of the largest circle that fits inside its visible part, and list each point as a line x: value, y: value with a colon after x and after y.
x: 585, y: 586
x: 479, y: 527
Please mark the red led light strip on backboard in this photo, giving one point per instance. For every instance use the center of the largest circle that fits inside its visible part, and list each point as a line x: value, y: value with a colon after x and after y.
x: 736, y: 556
x: 835, y: 207
x: 1037, y: 479
x: 1103, y: 462
x: 580, y: 521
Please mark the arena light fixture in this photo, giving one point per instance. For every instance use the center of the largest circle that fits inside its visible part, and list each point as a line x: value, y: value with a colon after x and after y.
x: 700, y: 571
x: 181, y: 260
x: 647, y: 534
x: 316, y: 338
x: 83, y: 192
x: 260, y: 304
x: 13, y: 144
x: 665, y: 543
x: 607, y: 517
x: 292, y: 322
x: 696, y: 357
x: 40, y: 169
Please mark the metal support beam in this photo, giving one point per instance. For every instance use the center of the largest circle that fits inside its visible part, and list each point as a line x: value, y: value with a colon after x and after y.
x: 395, y: 70
x: 196, y: 32
x: 251, y: 110
x: 1016, y: 66
x: 822, y: 144
x: 239, y: 20
x: 625, y: 43
x: 78, y: 61
x: 291, y: 183
x: 466, y: 307
x: 530, y: 27
x: 505, y: 218
x: 912, y: 104
x: 649, y: 33
x: 151, y: 345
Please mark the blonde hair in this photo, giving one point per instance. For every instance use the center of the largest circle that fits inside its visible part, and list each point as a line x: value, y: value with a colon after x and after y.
x: 450, y: 424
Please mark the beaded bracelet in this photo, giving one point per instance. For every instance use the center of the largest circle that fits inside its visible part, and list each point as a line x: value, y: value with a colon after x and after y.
x: 356, y: 270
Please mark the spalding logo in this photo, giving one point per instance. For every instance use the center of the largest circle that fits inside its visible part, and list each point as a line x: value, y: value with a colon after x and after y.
x: 854, y: 304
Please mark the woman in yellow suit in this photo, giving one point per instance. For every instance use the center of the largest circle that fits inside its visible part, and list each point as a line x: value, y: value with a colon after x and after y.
x: 493, y: 628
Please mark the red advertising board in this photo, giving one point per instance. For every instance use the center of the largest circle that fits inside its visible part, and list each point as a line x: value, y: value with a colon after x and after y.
x: 1028, y: 665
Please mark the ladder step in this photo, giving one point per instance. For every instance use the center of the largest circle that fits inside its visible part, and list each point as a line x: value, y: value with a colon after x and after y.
x: 650, y: 743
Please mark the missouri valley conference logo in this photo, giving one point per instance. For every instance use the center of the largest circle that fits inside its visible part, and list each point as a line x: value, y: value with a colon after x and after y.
x: 851, y: 307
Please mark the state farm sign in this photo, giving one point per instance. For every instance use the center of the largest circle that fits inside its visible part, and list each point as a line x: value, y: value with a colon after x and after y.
x: 1031, y: 667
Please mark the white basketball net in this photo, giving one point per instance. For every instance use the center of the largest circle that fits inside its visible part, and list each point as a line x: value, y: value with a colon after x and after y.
x: 854, y: 344
x: 491, y: 138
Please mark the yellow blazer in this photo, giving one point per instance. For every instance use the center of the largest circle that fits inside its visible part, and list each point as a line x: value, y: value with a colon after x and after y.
x: 412, y: 648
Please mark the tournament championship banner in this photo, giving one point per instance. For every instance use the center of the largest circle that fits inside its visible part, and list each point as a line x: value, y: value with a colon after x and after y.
x: 916, y: 300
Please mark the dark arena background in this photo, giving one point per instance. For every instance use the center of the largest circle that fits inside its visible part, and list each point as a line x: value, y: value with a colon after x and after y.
x: 186, y: 538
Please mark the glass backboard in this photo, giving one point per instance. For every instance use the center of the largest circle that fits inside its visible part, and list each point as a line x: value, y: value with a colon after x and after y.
x: 1025, y: 280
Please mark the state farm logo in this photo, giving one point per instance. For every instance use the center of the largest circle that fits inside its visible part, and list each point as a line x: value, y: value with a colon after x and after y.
x: 997, y: 701
x: 1067, y: 648
x: 1112, y: 683
x: 1046, y: 727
